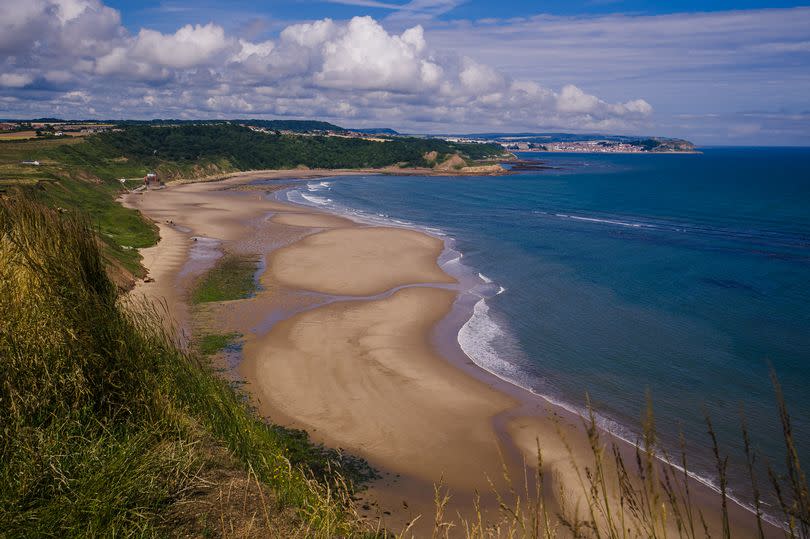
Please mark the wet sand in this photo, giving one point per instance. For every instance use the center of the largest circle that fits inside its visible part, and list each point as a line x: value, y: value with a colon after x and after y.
x: 363, y: 373
x: 340, y: 340
x: 165, y: 261
x: 362, y: 261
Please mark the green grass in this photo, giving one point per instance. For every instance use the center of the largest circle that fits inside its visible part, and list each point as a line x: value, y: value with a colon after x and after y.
x: 123, y: 230
x: 74, y: 175
x: 105, y: 422
x: 82, y: 174
x: 213, y: 343
x: 232, y: 277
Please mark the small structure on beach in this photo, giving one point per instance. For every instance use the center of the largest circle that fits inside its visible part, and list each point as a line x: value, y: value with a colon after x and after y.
x: 152, y: 181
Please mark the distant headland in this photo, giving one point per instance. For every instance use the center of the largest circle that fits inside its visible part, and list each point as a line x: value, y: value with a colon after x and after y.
x: 579, y: 143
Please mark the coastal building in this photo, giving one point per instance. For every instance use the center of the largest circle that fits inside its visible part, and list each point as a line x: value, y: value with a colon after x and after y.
x: 152, y: 181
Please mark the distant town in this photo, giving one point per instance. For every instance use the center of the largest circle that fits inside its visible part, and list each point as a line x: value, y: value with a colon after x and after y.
x: 590, y: 146
x: 645, y: 145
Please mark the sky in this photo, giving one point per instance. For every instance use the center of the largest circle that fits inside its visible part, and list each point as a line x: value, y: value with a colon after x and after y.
x: 717, y: 73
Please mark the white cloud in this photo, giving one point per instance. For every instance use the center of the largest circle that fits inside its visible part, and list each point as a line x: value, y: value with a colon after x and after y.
x: 364, y: 56
x: 77, y: 96
x: 151, y: 55
x: 309, y: 34
x: 354, y: 69
x: 57, y: 28
x: 68, y: 10
x: 638, y: 106
x: 703, y: 61
x: 190, y: 46
x: 19, y: 22
x: 113, y: 62
x: 248, y: 50
x: 572, y: 99
x: 229, y: 104
x: 480, y: 79
x: 15, y: 80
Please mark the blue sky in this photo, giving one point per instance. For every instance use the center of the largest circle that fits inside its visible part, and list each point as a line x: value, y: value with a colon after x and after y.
x: 156, y: 13
x: 721, y: 72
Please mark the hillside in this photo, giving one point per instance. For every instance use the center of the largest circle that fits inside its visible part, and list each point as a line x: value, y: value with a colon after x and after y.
x: 242, y: 149
x: 298, y: 126
x: 83, y: 173
x: 376, y: 131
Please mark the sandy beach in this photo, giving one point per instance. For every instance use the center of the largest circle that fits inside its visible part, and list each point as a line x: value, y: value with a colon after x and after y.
x: 340, y: 340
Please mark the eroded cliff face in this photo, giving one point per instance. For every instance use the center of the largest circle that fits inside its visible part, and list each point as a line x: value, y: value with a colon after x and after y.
x: 452, y: 163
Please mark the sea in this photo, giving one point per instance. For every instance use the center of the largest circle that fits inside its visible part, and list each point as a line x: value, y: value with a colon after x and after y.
x: 676, y: 281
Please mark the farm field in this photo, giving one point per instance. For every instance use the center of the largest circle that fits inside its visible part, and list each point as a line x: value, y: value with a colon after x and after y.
x: 18, y: 135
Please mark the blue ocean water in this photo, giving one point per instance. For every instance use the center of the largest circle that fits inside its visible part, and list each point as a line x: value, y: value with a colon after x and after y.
x: 679, y: 276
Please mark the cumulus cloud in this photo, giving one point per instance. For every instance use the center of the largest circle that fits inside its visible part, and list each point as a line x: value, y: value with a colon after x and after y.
x: 57, y: 28
x: 190, y: 46
x: 354, y: 69
x: 572, y: 99
x: 151, y: 55
x: 364, y: 56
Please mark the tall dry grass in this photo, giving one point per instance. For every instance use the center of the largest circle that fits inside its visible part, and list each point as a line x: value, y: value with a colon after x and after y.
x: 104, y: 420
x: 645, y: 493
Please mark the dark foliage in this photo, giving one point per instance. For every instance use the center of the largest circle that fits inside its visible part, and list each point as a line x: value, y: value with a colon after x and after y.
x: 245, y: 149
